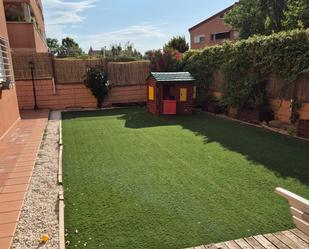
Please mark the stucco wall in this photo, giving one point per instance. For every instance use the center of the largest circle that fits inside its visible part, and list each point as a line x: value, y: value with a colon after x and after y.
x: 3, y: 30
x: 63, y: 96
x: 24, y: 37
x: 9, y: 112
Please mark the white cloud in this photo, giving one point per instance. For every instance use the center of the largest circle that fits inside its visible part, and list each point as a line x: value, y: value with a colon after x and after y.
x: 140, y: 35
x: 62, y: 15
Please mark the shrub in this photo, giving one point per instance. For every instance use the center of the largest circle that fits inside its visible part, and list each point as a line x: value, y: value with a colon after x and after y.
x: 96, y: 81
x: 246, y: 65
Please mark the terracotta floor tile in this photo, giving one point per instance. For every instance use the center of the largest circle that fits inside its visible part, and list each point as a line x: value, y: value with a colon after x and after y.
x: 24, y: 164
x: 18, y: 153
x: 22, y: 169
x: 7, y: 230
x: 4, y: 197
x: 20, y: 174
x: 14, y: 188
x: 10, y: 206
x: 9, y: 217
x: 16, y: 181
x: 5, y: 243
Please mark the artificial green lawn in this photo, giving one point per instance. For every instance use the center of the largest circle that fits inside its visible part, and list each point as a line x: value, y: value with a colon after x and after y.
x: 134, y: 180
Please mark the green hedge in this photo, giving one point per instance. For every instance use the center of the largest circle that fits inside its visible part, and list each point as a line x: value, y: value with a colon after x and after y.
x: 246, y: 65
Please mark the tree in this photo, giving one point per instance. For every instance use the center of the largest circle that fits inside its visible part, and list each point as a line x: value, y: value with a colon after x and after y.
x: 167, y: 60
x: 296, y: 14
x: 263, y: 17
x: 96, y: 81
x: 177, y: 43
x: 119, y: 52
x: 69, y: 48
x: 53, y: 45
x: 248, y: 17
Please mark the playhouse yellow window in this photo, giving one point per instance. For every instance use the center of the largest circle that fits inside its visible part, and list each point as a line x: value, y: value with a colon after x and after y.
x: 194, y: 92
x: 151, y: 93
x: 183, y: 94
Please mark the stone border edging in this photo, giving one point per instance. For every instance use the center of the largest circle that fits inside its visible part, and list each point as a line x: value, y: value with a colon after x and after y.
x: 60, y: 165
x: 61, y: 194
x: 61, y: 221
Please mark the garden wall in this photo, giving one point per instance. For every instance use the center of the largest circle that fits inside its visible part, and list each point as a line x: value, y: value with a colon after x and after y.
x: 59, y: 82
x: 279, y: 101
x: 72, y: 95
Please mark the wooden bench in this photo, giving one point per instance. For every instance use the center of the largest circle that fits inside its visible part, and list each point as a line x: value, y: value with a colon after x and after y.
x: 299, y: 208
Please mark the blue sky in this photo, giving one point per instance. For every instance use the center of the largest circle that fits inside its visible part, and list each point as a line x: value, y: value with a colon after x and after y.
x: 148, y: 24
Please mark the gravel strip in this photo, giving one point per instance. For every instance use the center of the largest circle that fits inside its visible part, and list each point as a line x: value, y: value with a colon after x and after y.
x: 40, y: 211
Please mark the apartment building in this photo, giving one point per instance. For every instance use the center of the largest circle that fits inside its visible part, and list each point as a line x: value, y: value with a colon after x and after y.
x: 212, y: 31
x: 9, y: 112
x: 25, y: 25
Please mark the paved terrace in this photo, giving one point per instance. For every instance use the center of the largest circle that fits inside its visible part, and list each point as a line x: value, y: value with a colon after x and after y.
x: 291, y: 239
x: 18, y: 152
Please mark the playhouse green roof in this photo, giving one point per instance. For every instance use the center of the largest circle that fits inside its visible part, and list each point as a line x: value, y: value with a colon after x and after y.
x: 172, y: 76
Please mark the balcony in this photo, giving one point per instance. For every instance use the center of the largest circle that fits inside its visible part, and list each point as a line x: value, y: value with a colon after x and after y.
x: 24, y: 31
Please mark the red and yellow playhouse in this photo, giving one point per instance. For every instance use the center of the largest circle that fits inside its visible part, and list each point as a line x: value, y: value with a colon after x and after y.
x: 170, y: 93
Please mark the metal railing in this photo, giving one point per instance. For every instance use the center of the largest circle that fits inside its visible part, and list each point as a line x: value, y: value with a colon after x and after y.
x: 6, y: 69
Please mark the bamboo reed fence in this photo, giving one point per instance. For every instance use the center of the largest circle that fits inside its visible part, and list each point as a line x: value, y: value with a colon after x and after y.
x: 74, y: 70
x: 128, y: 73
x: 42, y: 64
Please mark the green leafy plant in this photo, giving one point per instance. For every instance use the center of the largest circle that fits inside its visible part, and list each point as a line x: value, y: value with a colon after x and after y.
x: 247, y: 64
x: 262, y: 17
x: 292, y: 131
x: 96, y: 81
x: 177, y: 43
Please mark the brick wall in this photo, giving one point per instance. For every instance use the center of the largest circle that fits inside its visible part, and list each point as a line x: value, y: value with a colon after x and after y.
x: 61, y: 96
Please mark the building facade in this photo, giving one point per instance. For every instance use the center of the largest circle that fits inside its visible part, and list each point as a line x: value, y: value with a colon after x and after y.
x: 25, y: 25
x: 212, y: 31
x: 9, y: 112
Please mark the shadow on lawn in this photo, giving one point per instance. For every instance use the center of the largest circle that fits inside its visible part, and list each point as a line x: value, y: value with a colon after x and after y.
x: 287, y: 157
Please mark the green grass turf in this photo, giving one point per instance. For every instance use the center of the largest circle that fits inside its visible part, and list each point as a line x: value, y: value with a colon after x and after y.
x: 133, y: 180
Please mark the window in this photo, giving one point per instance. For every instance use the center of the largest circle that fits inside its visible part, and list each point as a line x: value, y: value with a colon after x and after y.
x: 183, y: 94
x: 236, y: 34
x: 199, y: 39
x: 224, y: 35
x: 220, y: 36
x: 6, y: 76
x: 150, y: 93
